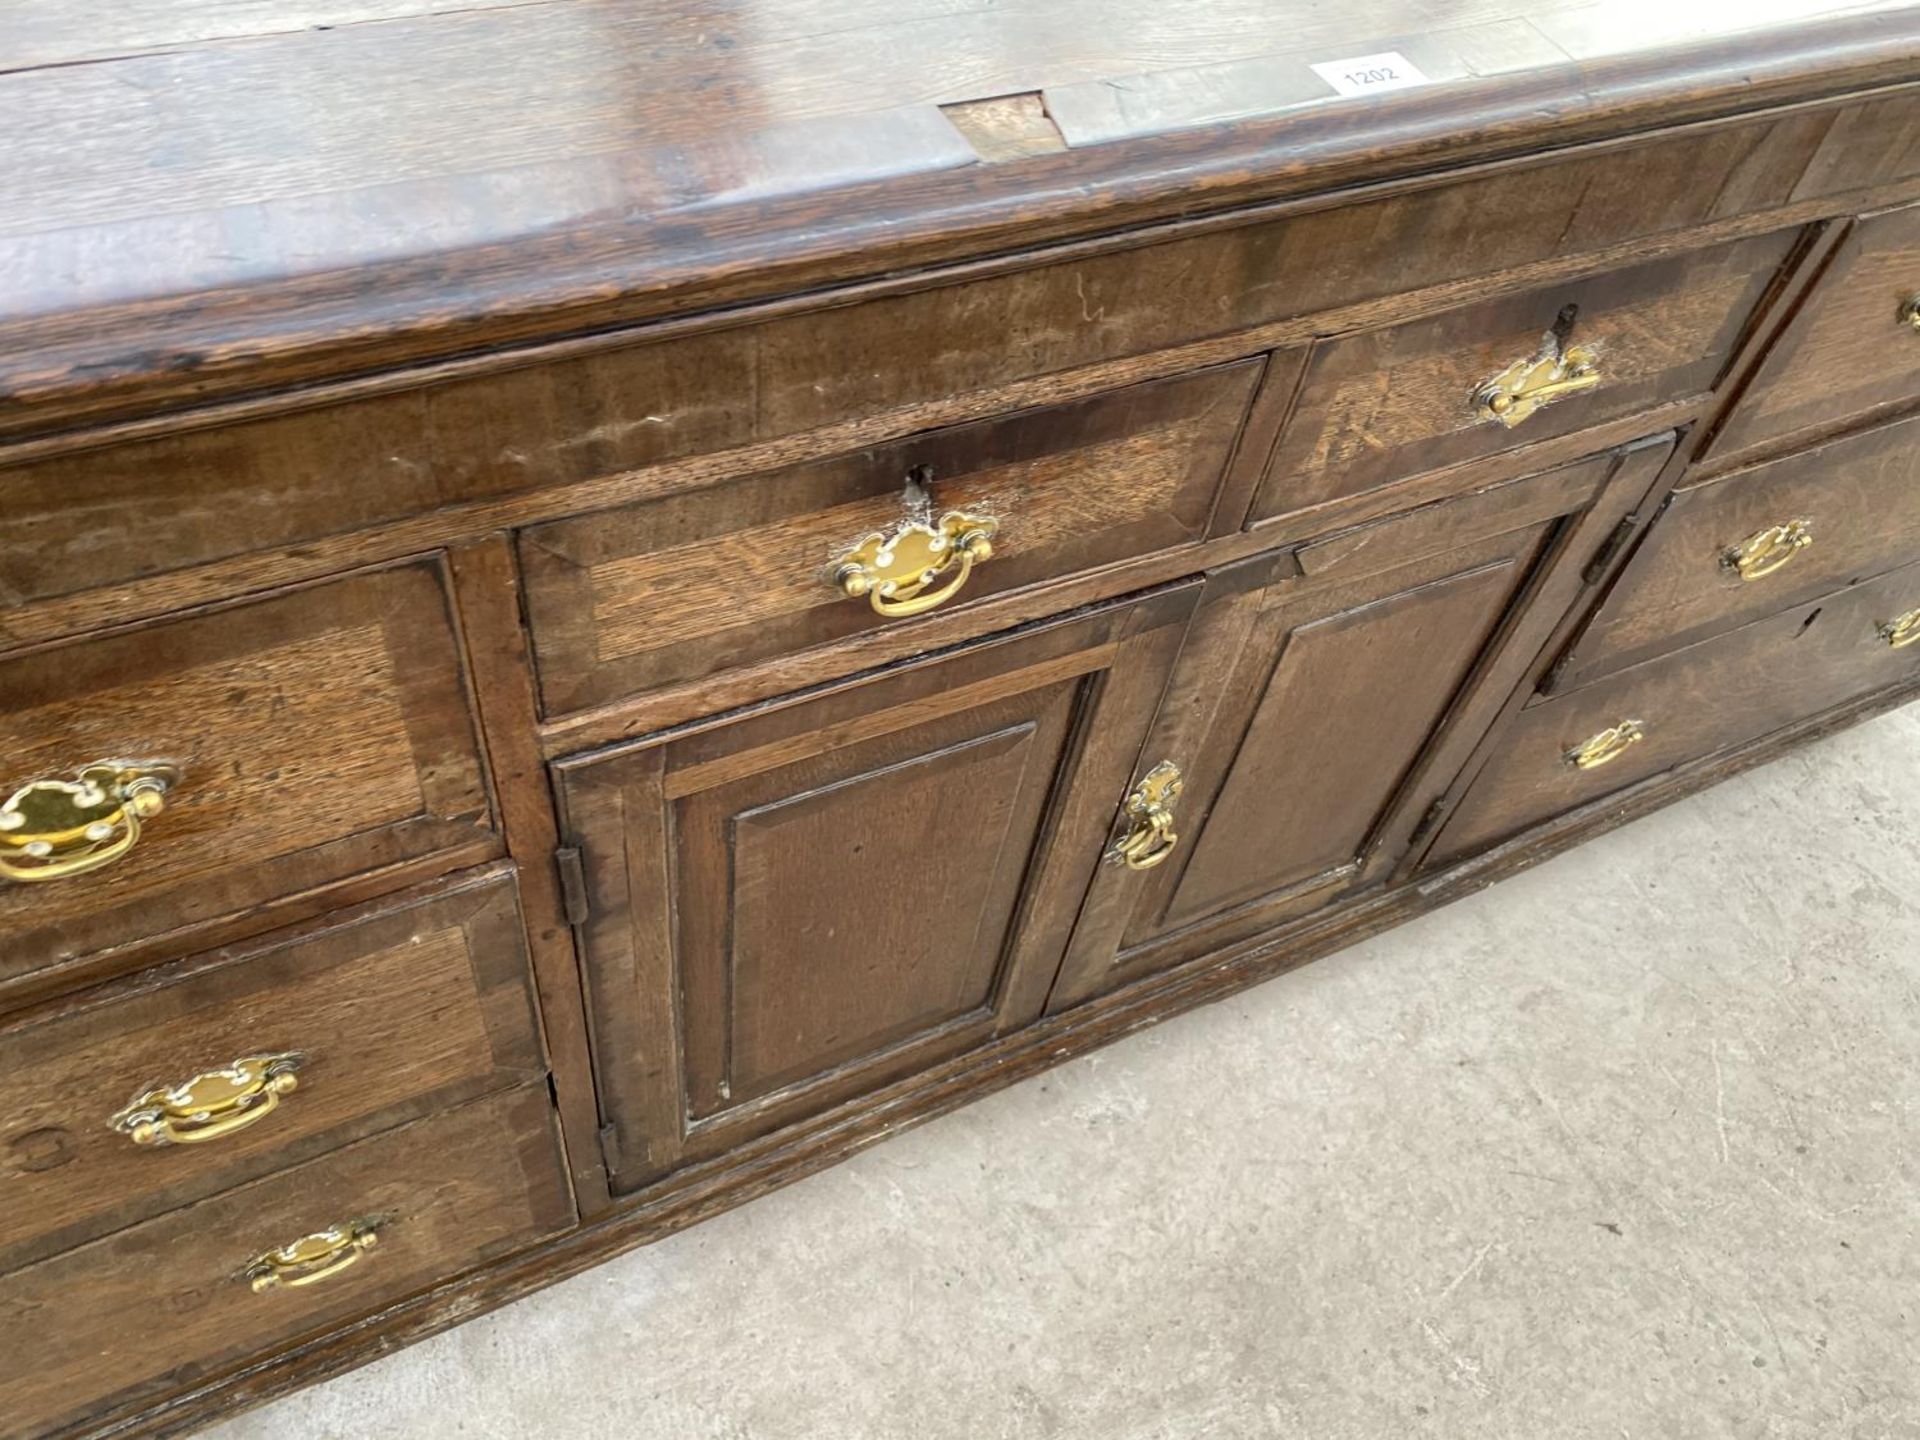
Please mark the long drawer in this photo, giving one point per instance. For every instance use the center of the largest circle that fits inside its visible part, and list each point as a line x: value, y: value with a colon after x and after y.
x: 308, y: 739
x: 645, y: 596
x: 183, y: 1296
x: 1383, y: 405
x: 150, y: 1094
x: 1732, y: 549
x: 1721, y: 693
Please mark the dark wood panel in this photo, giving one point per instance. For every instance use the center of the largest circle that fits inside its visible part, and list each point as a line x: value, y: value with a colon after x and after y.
x: 1854, y: 345
x: 1717, y: 695
x: 283, y: 480
x: 167, y: 1303
x: 394, y: 1013
x: 540, y: 169
x: 793, y: 908
x: 321, y: 734
x: 1326, y: 698
x: 1858, y: 499
x: 626, y: 600
x: 1382, y: 406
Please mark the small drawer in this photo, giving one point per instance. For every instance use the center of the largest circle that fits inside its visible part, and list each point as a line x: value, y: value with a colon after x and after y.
x: 307, y: 739
x: 644, y: 597
x: 290, y: 1048
x: 1853, y: 346
x: 128, y: 1318
x: 1713, y: 696
x: 1730, y: 550
x: 1381, y: 406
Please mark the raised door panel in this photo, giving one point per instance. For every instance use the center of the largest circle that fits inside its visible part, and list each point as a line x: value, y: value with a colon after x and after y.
x: 794, y: 907
x: 1344, y: 711
x: 1326, y: 698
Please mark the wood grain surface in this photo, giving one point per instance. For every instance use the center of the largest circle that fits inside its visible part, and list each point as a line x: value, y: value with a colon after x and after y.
x: 1709, y: 697
x: 321, y: 734
x: 193, y: 207
x: 396, y: 1011
x: 167, y: 1302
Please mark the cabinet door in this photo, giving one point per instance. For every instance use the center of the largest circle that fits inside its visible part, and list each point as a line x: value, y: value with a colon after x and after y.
x: 1324, y: 700
x: 801, y: 904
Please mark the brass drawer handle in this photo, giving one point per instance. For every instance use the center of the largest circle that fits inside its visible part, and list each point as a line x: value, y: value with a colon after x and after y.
x: 1609, y: 745
x: 894, y: 570
x: 1902, y: 631
x: 1150, y: 836
x: 1523, y: 387
x: 311, y: 1258
x: 210, y: 1105
x: 1761, y: 554
x: 52, y: 829
x: 1910, y: 313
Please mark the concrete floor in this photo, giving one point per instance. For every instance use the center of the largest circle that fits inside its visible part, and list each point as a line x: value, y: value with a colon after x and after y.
x: 1622, y: 1148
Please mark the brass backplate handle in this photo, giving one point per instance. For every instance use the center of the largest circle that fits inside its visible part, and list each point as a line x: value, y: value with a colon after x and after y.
x: 1552, y: 373
x: 212, y: 1104
x: 53, y: 829
x: 311, y: 1258
x: 1902, y: 630
x: 1150, y: 835
x: 1910, y: 312
x: 897, y: 571
x: 1606, y: 747
x: 1765, y: 551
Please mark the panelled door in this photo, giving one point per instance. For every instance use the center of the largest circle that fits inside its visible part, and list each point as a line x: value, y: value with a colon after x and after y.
x: 1326, y: 696
x: 803, y: 903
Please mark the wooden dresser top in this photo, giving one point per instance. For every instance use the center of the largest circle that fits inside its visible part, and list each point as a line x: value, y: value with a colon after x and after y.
x: 204, y: 200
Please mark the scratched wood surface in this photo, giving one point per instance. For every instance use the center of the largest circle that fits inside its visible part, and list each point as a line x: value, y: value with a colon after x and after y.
x: 192, y: 191
x: 397, y: 1011
x: 322, y: 734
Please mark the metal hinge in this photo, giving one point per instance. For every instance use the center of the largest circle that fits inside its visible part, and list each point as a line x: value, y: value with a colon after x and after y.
x: 1429, y: 822
x: 1609, y: 552
x: 573, y: 883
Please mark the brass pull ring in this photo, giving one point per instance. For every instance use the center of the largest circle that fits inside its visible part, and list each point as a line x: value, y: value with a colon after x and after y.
x: 1606, y: 747
x: 1150, y: 836
x: 1760, y: 554
x: 895, y: 570
x: 54, y: 829
x: 211, y: 1105
x: 311, y: 1258
x: 1902, y: 631
x: 1551, y: 374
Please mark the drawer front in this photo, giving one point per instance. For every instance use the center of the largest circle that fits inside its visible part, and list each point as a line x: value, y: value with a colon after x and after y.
x: 792, y: 909
x: 318, y: 735
x: 130, y: 1317
x: 372, y: 1020
x: 1854, y: 345
x: 1378, y: 407
x: 326, y: 470
x: 633, y: 599
x: 1727, y: 551
x: 1709, y: 697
